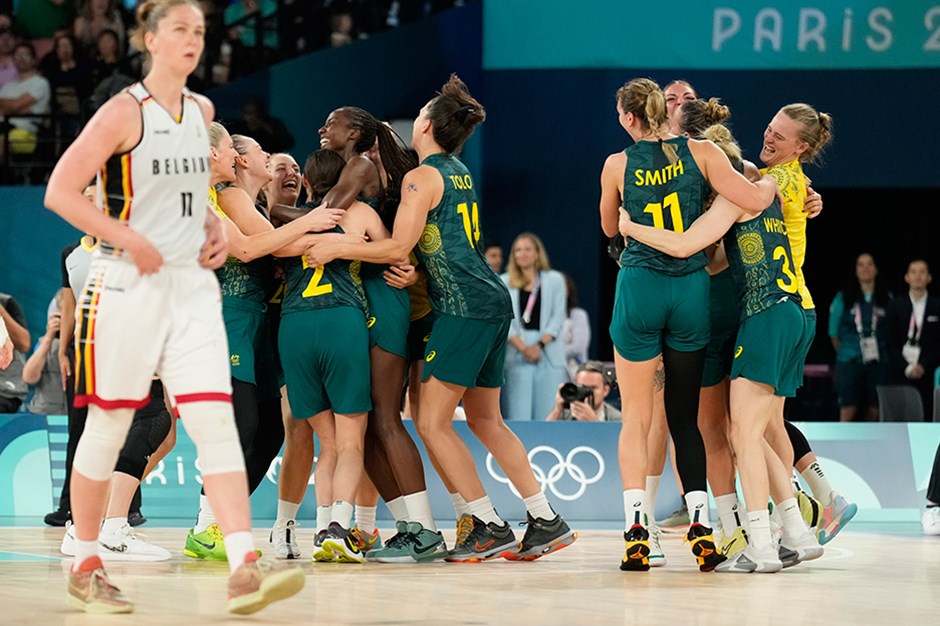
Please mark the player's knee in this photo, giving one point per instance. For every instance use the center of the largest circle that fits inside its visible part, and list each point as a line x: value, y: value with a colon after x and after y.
x: 211, y: 426
x: 101, y: 442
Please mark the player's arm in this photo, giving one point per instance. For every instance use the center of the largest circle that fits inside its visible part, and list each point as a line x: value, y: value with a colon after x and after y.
x: 703, y: 232
x: 723, y: 178
x: 356, y: 175
x: 612, y: 192
x: 422, y: 189
x: 240, y: 209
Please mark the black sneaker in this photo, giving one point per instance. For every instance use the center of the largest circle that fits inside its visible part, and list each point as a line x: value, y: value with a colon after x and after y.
x: 543, y: 537
x: 57, y: 518
x: 135, y: 519
x: 707, y: 555
x: 342, y: 543
x: 485, y: 541
x: 636, y: 557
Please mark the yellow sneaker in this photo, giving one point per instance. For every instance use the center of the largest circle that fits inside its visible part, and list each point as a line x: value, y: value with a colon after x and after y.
x: 810, y: 509
x: 734, y: 543
x: 700, y: 539
x: 636, y: 557
x: 464, y: 528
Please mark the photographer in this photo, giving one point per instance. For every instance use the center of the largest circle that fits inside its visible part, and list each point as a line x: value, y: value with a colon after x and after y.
x: 583, y: 400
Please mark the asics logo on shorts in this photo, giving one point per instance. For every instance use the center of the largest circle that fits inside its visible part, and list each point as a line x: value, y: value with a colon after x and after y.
x: 430, y: 356
x: 370, y: 322
x: 738, y: 352
x: 426, y: 339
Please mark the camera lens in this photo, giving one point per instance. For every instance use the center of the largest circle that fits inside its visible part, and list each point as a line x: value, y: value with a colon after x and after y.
x: 569, y: 392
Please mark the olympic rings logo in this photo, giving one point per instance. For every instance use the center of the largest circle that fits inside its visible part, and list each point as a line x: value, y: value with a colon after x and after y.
x: 564, y: 466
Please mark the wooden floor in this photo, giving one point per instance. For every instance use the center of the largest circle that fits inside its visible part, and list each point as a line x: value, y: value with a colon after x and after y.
x: 864, y: 578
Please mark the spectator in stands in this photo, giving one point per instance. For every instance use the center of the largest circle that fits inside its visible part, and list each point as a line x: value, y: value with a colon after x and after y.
x: 914, y: 335
x: 6, y: 346
x: 29, y: 94
x: 590, y: 377
x: 12, y: 388
x: 69, y: 79
x: 342, y: 29
x: 261, y: 126
x: 8, y: 71
x: 494, y: 255
x: 108, y: 57
x: 576, y: 333
x: 535, y: 360
x: 858, y: 331
x: 95, y: 17
x: 42, y: 370
x: 248, y: 55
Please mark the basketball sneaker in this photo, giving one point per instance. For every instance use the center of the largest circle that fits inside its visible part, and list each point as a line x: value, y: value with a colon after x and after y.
x: 464, y: 527
x: 677, y: 521
x: 90, y: 590
x: 208, y: 545
x: 342, y: 544
x: 320, y: 554
x: 413, y: 543
x: 636, y: 557
x: 284, y: 540
x: 657, y: 556
x: 734, y: 543
x: 930, y: 520
x: 543, y: 537
x: 367, y: 541
x: 125, y: 545
x: 749, y: 560
x: 707, y: 554
x: 486, y: 541
x: 804, y: 544
x: 834, y: 518
x: 810, y: 508
x: 256, y: 584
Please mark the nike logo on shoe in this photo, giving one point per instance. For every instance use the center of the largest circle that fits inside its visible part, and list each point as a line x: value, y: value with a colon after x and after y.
x: 479, y: 548
x: 121, y: 548
x: 207, y: 546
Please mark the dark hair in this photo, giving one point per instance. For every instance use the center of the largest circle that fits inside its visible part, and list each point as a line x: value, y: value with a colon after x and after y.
x: 852, y: 291
x: 454, y: 113
x: 572, y: 289
x: 28, y: 46
x: 322, y: 170
x: 597, y: 367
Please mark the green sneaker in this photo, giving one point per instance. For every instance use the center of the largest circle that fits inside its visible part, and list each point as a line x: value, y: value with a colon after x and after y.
x: 412, y: 544
x: 208, y: 545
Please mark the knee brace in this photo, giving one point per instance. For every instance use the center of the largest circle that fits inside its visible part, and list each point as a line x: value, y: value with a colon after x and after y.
x: 101, y: 442
x: 211, y: 426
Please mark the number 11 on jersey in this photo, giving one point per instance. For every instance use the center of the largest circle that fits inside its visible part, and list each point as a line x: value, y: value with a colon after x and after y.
x: 471, y: 222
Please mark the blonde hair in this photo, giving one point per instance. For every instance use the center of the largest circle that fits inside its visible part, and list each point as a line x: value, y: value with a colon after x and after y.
x: 216, y: 132
x: 720, y: 135
x: 517, y: 279
x: 817, y: 128
x: 645, y: 100
x: 149, y: 13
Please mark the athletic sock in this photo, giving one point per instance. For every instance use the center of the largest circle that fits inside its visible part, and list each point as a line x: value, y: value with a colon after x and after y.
x: 324, y: 513
x: 112, y: 524
x: 538, y: 507
x: 365, y: 518
x: 418, y: 507
x: 398, y: 509
x: 460, y: 505
x: 728, y: 513
x: 818, y: 483
x: 206, y: 516
x: 286, y: 511
x: 634, y: 510
x: 697, y: 503
x: 652, y: 486
x: 237, y: 547
x: 483, y: 509
x: 342, y: 513
x: 759, y: 523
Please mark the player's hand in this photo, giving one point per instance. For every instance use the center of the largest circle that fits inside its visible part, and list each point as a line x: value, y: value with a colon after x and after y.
x: 6, y: 354
x: 322, y: 219
x: 144, y: 254
x: 813, y: 204
x: 65, y: 368
x: 401, y: 276
x: 214, y: 251
x: 320, y: 253
x: 625, y: 223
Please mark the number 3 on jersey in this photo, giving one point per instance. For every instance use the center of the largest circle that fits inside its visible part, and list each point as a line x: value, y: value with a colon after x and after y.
x: 314, y: 288
x: 471, y: 222
x: 670, y: 203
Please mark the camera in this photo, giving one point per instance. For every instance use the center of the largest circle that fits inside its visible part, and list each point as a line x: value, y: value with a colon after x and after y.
x: 571, y: 392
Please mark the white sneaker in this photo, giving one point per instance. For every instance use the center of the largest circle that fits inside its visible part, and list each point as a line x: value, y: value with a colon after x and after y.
x: 656, y: 557
x: 124, y: 545
x: 931, y: 521
x: 67, y: 546
x: 284, y: 540
x: 805, y: 545
x: 750, y: 560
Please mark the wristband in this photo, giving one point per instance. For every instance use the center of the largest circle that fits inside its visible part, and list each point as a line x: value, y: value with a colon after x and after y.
x: 541, y: 344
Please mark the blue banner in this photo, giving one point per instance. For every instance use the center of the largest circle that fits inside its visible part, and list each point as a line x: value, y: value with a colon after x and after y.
x: 692, y: 34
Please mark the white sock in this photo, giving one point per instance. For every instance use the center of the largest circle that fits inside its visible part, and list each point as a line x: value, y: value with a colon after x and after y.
x: 342, y: 513
x: 84, y: 550
x: 484, y: 511
x: 324, y: 513
x: 697, y: 502
x: 790, y: 517
x: 759, y: 523
x: 418, y: 507
x: 238, y: 546
x: 286, y: 511
x: 460, y: 505
x: 398, y: 509
x: 538, y: 507
x: 818, y: 483
x: 633, y: 507
x: 206, y: 515
x: 728, y: 513
x: 112, y: 524
x: 652, y: 486
x: 365, y: 518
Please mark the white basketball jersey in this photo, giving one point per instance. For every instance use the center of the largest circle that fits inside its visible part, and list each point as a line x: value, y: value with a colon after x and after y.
x: 159, y: 187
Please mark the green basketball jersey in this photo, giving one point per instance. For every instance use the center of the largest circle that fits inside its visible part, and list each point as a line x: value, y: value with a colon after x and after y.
x: 460, y: 281
x: 252, y: 281
x: 663, y: 195
x: 323, y: 287
x: 759, y: 256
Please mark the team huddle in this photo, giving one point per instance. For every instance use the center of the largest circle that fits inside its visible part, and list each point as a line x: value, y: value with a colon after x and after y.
x: 233, y: 303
